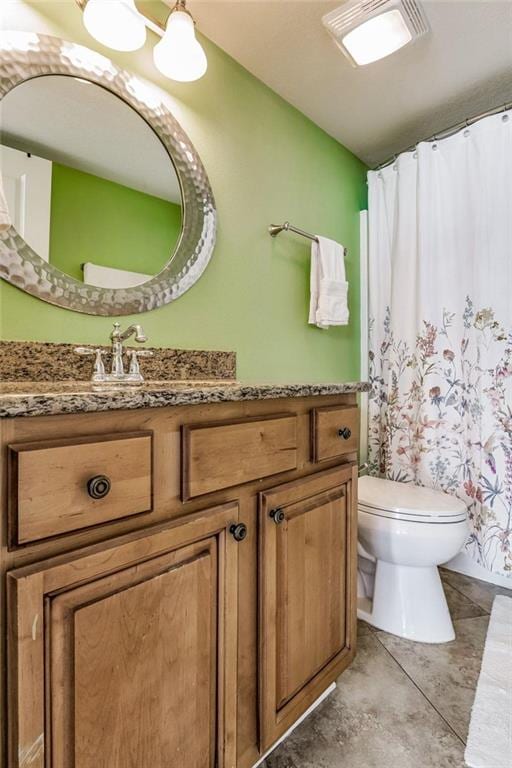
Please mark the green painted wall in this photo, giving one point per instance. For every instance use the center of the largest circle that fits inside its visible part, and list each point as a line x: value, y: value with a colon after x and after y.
x: 128, y: 229
x: 266, y: 163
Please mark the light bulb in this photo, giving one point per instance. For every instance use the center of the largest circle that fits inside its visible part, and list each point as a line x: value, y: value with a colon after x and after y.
x: 178, y: 55
x: 115, y: 23
x: 378, y: 37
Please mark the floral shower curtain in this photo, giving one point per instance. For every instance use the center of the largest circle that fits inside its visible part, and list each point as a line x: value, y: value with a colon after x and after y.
x: 440, y: 292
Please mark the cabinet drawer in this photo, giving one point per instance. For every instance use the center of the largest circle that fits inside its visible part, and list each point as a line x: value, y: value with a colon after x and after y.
x: 217, y: 456
x: 335, y: 431
x: 58, y: 486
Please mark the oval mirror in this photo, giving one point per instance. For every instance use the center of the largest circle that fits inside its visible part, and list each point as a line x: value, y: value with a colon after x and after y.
x: 110, y: 206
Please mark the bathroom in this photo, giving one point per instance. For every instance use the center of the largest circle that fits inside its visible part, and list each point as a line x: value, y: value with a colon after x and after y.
x: 256, y: 384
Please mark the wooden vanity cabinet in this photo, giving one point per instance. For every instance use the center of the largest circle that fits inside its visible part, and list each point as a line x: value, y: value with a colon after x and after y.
x: 155, y: 638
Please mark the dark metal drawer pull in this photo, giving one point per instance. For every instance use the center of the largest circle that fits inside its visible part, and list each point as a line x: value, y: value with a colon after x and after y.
x: 98, y: 487
x: 238, y: 531
x: 345, y: 433
x: 278, y: 515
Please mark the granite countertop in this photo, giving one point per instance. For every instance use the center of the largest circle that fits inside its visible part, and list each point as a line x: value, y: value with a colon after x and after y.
x: 26, y: 398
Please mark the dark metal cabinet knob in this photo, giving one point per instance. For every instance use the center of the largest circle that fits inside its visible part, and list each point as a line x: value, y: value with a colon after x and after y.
x: 238, y: 531
x: 345, y: 433
x: 277, y: 515
x: 98, y: 487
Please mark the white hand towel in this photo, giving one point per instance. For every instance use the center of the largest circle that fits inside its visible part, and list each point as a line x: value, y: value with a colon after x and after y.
x: 329, y: 288
x: 5, y: 219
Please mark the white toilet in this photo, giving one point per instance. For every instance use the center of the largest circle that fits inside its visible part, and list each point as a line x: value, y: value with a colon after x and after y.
x: 405, y: 532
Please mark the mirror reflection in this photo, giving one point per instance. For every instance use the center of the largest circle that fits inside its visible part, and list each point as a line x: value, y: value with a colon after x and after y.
x: 88, y: 184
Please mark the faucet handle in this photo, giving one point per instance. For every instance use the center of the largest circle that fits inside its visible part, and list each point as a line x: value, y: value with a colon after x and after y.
x: 84, y: 351
x: 99, y: 367
x: 134, y: 362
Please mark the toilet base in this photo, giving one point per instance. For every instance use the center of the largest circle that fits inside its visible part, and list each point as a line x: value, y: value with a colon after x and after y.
x: 408, y: 602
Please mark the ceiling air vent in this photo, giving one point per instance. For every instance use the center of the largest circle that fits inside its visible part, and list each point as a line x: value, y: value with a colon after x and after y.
x: 369, y: 30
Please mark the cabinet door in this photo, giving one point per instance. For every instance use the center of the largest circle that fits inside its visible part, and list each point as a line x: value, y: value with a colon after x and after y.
x: 307, y: 589
x: 124, y: 655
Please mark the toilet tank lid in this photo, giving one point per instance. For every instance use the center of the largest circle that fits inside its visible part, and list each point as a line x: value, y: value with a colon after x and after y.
x: 407, y: 498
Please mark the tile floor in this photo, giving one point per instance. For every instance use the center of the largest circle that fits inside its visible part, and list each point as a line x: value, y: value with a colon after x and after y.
x: 401, y: 704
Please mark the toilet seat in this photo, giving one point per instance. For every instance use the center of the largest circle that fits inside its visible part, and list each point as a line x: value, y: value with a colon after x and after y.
x: 404, y: 501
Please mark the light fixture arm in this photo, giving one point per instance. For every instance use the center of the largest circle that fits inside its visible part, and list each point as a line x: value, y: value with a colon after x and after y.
x: 182, y: 7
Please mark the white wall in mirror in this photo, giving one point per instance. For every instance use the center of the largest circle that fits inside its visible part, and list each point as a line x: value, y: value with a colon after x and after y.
x: 27, y: 183
x: 81, y: 125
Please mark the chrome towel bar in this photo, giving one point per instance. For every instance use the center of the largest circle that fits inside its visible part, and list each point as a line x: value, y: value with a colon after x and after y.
x: 276, y: 229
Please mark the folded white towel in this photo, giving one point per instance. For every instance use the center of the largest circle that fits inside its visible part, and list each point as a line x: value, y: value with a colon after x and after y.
x: 329, y: 288
x: 5, y: 219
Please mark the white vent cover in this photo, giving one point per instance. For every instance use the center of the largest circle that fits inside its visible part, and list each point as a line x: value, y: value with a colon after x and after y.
x: 355, y: 13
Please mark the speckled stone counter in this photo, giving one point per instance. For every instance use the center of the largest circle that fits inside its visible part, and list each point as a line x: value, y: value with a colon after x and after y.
x: 42, y: 361
x: 47, y: 398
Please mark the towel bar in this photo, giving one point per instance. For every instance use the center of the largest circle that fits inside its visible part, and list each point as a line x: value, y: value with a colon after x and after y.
x: 276, y: 229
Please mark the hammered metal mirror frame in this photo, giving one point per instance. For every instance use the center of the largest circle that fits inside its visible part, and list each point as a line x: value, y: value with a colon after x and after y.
x: 24, y: 56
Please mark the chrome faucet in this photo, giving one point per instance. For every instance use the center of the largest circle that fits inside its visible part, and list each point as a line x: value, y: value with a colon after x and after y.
x: 117, y: 375
x: 117, y: 337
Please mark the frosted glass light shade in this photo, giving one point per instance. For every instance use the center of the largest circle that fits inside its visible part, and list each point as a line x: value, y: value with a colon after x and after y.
x: 115, y: 23
x: 178, y: 55
x: 378, y: 37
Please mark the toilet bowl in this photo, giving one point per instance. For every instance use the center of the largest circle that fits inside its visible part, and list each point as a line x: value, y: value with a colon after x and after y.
x: 404, y: 533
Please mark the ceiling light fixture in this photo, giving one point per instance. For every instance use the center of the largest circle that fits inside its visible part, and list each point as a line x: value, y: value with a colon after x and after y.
x: 178, y: 54
x: 119, y: 24
x: 115, y: 23
x: 369, y: 30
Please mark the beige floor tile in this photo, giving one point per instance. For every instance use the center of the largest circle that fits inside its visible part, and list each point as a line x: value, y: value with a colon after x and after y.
x: 376, y: 718
x: 479, y: 592
x: 447, y: 673
x: 461, y: 607
x: 363, y: 628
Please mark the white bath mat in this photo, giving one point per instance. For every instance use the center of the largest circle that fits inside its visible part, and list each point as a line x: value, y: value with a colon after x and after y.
x: 490, y: 731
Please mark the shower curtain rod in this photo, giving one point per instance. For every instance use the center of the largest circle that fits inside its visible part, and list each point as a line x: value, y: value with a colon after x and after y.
x: 447, y: 132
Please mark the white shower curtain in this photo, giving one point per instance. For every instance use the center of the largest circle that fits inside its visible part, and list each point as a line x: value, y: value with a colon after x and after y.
x: 440, y: 287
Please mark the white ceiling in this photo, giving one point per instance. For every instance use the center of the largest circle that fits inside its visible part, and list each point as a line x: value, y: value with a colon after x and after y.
x: 81, y: 125
x: 462, y: 68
